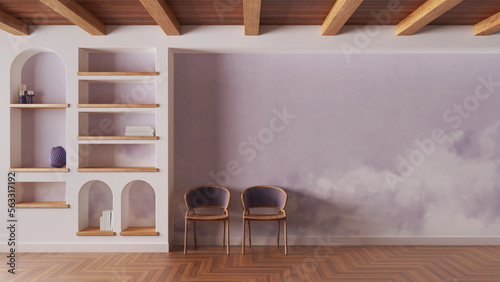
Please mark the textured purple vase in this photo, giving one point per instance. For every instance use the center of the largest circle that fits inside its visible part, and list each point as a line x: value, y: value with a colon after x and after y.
x: 57, y: 157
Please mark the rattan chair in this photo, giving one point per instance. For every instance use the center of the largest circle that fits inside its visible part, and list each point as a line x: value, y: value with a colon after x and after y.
x: 264, y: 197
x: 213, y: 197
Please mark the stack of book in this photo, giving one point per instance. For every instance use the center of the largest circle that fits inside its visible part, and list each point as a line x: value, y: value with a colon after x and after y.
x: 106, y: 220
x: 139, y: 131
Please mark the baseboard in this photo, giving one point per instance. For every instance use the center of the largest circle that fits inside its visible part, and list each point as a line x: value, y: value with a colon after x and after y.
x: 334, y: 241
x: 311, y: 241
x: 90, y: 248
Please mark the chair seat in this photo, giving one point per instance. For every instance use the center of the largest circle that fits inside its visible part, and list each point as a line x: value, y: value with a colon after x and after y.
x: 207, y: 217
x: 264, y: 217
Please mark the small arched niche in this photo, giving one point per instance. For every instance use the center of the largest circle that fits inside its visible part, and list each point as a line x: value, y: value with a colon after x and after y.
x: 138, y: 209
x: 36, y: 128
x: 94, y: 197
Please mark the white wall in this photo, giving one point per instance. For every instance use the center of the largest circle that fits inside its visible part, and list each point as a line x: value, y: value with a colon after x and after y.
x: 54, y: 230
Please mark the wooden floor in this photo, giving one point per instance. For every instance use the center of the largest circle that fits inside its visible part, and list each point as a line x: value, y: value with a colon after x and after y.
x: 304, y: 263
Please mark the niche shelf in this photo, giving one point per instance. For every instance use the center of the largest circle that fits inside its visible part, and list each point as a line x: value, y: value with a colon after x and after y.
x: 39, y: 106
x: 117, y: 62
x: 39, y: 169
x: 117, y: 158
x: 41, y: 195
x: 95, y: 231
x: 112, y: 125
x: 42, y: 205
x: 94, y: 197
x: 112, y: 93
x: 138, y: 138
x: 138, y: 213
x: 111, y: 106
x: 118, y: 169
x: 139, y: 231
x: 129, y: 73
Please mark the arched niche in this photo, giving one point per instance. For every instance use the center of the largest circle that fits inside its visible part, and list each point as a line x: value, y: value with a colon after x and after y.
x: 43, y: 71
x: 94, y: 197
x: 138, y: 209
x: 35, y: 131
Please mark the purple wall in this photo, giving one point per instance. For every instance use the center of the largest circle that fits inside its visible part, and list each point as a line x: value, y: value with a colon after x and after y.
x: 387, y: 145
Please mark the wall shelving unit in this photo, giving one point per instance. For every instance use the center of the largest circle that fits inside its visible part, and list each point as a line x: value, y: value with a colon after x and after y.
x: 112, y: 85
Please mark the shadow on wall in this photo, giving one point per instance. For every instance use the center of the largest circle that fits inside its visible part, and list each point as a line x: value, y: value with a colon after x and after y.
x: 308, y: 216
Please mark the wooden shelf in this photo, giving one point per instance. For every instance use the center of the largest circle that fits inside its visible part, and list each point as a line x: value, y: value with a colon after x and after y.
x: 42, y: 205
x: 38, y: 169
x: 127, y: 73
x: 96, y: 106
x: 39, y: 106
x: 94, y: 231
x: 118, y: 169
x: 139, y: 231
x: 118, y: 138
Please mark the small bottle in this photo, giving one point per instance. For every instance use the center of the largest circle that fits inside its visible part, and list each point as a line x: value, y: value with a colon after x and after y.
x: 30, y: 95
x: 22, y: 94
x: 22, y: 97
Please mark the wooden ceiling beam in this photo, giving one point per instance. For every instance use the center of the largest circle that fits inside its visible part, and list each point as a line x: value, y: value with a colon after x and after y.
x: 423, y: 15
x: 488, y: 26
x: 13, y: 25
x: 341, y: 11
x: 251, y: 16
x: 163, y: 15
x: 78, y: 15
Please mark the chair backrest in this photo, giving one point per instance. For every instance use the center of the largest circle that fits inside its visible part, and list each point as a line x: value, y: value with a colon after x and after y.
x: 207, y: 196
x: 264, y: 196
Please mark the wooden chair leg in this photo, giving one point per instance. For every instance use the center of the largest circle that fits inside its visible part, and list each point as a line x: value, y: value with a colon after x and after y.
x: 249, y: 236
x: 185, y: 236
x: 243, y: 239
x: 227, y: 238
x: 278, y: 237
x: 194, y: 231
x: 286, y: 242
x: 223, y: 232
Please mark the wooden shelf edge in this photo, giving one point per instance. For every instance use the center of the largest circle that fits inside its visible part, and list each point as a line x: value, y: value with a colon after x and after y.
x: 95, y: 231
x: 118, y: 138
x: 116, y: 73
x: 118, y: 169
x: 39, y: 106
x: 42, y: 205
x: 112, y: 106
x: 38, y: 169
x: 139, y: 231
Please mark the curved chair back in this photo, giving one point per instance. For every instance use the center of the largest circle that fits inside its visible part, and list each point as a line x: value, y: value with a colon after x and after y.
x: 207, y: 196
x: 264, y: 197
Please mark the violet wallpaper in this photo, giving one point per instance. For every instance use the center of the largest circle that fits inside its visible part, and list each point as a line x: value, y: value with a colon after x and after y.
x: 383, y: 145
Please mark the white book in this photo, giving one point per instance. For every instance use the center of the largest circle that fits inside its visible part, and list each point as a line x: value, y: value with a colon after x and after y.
x: 140, y: 130
x: 107, y: 220
x: 101, y: 223
x: 138, y: 127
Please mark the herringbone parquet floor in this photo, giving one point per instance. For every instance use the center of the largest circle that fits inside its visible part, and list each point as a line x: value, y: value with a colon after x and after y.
x: 266, y: 263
